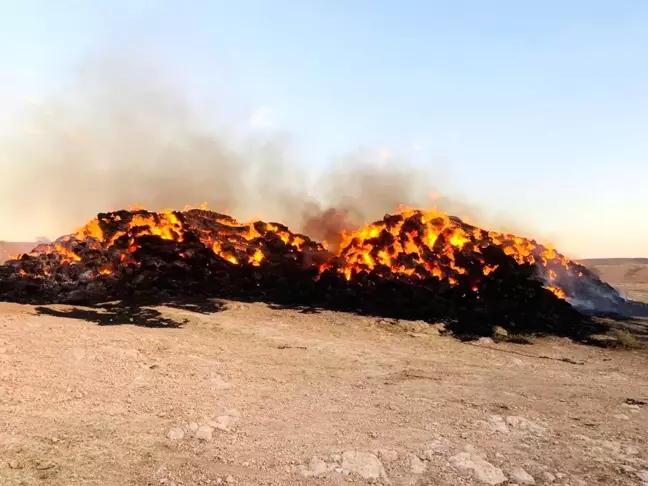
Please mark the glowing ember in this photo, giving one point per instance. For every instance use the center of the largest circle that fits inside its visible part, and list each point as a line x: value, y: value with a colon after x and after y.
x: 560, y: 293
x: 411, y: 245
x: 417, y: 243
x: 412, y: 265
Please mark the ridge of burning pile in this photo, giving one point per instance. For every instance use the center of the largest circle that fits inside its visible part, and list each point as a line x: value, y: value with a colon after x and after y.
x: 412, y: 264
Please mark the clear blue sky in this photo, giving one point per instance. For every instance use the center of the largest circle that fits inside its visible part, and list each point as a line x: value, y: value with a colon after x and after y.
x: 538, y: 109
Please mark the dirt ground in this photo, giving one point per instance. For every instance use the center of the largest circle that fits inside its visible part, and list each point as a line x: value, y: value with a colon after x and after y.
x: 247, y: 394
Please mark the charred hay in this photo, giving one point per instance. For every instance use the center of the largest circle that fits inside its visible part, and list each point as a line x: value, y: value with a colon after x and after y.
x: 139, y: 256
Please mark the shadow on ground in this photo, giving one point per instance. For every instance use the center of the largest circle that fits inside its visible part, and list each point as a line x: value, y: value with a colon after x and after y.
x: 199, y: 305
x: 302, y: 309
x: 135, y: 314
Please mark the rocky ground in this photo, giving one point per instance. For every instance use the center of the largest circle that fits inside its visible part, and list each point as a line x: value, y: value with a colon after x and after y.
x: 245, y: 394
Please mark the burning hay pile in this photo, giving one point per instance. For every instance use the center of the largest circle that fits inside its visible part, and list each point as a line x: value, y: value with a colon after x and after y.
x: 412, y: 265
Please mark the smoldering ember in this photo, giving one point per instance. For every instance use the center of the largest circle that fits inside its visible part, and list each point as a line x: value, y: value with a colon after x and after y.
x: 413, y: 264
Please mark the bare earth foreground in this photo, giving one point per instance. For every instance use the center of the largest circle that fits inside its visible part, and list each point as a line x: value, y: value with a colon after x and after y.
x: 247, y: 394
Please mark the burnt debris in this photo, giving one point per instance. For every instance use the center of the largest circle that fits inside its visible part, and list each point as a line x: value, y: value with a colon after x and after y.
x: 409, y: 265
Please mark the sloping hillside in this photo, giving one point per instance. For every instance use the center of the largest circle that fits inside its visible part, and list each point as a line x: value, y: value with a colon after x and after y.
x: 630, y: 275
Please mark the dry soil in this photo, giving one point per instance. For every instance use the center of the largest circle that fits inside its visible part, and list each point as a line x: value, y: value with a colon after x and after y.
x: 246, y: 394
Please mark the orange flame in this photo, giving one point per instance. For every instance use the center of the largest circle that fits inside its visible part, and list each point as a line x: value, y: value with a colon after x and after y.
x: 558, y: 292
x: 410, y: 244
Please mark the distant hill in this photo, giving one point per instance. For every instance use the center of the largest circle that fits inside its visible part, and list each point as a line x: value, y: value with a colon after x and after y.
x: 9, y: 249
x: 629, y: 275
x: 614, y: 261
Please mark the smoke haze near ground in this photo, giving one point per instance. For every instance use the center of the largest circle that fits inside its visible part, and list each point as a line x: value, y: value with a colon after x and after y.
x: 123, y: 134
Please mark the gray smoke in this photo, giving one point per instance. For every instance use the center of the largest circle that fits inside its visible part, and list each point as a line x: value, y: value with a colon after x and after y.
x: 121, y: 133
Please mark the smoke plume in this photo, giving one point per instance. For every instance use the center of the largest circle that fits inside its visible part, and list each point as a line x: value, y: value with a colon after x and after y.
x: 122, y: 134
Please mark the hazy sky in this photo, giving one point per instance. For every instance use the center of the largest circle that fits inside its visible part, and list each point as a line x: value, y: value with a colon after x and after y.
x: 538, y: 110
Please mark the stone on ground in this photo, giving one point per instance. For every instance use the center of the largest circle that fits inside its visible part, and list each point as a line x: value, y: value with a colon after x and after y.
x: 175, y: 433
x: 481, y: 469
x: 416, y: 465
x: 520, y: 476
x: 364, y: 464
x: 205, y: 432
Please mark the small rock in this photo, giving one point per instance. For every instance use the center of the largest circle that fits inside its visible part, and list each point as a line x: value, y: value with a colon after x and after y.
x: 524, y: 424
x: 498, y: 424
x: 416, y: 465
x: 627, y: 468
x: 387, y: 455
x: 482, y: 470
x: 611, y: 446
x: 521, y: 476
x: 193, y: 426
x: 45, y: 465
x: 547, y: 477
x: 500, y: 331
x: 643, y: 475
x: 316, y: 467
x: 364, y: 464
x: 631, y: 407
x: 227, y: 420
x: 13, y: 464
x: 582, y: 437
x: 229, y: 479
x: 204, y: 432
x: 621, y: 416
x: 438, y: 328
x: 632, y: 450
x: 175, y: 433
x: 433, y: 448
x: 485, y: 340
x: 336, y: 457
x: 560, y: 475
